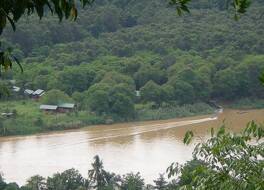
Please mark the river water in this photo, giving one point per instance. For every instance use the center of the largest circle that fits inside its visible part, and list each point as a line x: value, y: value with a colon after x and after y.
x: 145, y: 147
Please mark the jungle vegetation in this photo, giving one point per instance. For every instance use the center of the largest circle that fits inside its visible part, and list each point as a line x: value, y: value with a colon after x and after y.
x: 116, y: 47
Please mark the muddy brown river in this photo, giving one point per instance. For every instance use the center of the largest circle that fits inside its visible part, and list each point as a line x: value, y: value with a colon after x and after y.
x: 145, y: 147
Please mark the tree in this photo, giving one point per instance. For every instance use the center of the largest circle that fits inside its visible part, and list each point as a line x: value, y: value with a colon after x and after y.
x: 35, y: 183
x: 226, y: 84
x: 12, y: 11
x: 132, y: 182
x: 11, y: 186
x: 114, y: 78
x: 2, y: 183
x: 55, y: 97
x: 97, y: 98
x: 231, y: 161
x: 2, y: 132
x: 121, y: 101
x: 79, y: 98
x: 161, y: 183
x: 68, y: 180
x: 152, y: 92
x: 41, y: 82
x: 4, y: 90
x: 183, y: 92
x: 147, y: 73
x: 75, y: 79
x: 262, y: 78
x: 112, y: 96
x: 98, y: 176
x: 188, y: 172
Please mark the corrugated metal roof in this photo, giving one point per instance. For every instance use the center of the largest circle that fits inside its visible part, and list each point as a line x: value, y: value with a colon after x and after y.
x: 7, y: 114
x: 66, y: 105
x: 28, y: 91
x: 38, y: 92
x: 16, y: 89
x: 48, y: 107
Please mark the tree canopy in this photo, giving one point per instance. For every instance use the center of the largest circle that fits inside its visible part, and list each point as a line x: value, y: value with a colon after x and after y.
x: 137, y: 60
x: 108, y: 55
x: 228, y: 161
x: 11, y: 11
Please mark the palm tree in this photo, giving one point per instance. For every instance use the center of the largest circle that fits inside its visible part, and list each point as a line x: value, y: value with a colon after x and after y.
x: 97, y: 174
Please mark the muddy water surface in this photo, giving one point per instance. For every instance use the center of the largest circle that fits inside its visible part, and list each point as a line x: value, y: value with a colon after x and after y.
x: 147, y: 147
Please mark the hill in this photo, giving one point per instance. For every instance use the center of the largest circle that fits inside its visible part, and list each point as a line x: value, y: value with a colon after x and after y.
x: 117, y: 47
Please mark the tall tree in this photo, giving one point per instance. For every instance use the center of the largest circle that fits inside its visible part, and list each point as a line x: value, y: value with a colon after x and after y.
x: 97, y: 175
x: 161, y: 183
x: 231, y: 161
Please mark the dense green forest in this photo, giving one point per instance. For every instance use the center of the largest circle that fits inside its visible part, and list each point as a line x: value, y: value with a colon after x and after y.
x: 117, y: 47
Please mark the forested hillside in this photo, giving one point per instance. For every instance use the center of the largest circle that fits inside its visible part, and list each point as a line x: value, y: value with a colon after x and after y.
x: 119, y: 46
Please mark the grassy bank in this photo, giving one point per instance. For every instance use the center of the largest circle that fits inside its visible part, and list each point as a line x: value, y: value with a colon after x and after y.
x: 28, y: 119
x: 145, y: 113
x: 247, y: 103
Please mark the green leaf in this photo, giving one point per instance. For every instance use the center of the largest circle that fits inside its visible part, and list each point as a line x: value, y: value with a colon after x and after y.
x: 261, y: 78
x: 18, y: 63
x: 188, y: 137
x: 221, y: 131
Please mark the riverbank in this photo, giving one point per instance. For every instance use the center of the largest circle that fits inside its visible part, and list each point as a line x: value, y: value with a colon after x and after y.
x: 28, y: 119
x: 246, y: 104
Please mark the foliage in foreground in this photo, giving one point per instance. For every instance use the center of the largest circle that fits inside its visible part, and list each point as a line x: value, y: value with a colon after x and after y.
x: 231, y: 161
x: 225, y: 161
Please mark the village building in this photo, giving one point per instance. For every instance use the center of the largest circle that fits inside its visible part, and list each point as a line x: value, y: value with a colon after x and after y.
x: 10, y: 114
x: 34, y: 94
x: 38, y: 93
x: 66, y: 107
x: 61, y: 108
x: 16, y: 89
x: 28, y: 92
x: 48, y: 108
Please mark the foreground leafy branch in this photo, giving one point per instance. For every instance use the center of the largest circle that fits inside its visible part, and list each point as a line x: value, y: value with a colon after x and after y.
x: 262, y: 78
x: 239, y: 6
x: 12, y: 10
x: 7, y: 59
x: 232, y: 161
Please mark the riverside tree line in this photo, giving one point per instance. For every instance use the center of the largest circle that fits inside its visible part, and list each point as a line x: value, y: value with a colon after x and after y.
x: 109, y: 52
x: 115, y: 48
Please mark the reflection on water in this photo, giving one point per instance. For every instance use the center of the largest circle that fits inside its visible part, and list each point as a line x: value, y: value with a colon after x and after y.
x: 147, y: 147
